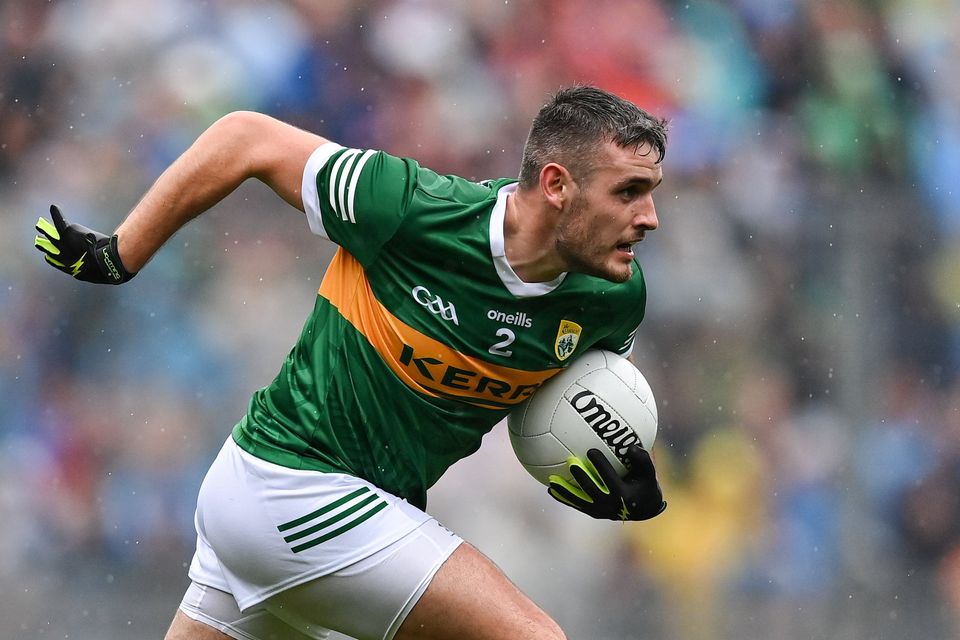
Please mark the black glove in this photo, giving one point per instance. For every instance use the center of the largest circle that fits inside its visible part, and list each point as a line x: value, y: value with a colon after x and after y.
x: 83, y: 253
x: 605, y: 495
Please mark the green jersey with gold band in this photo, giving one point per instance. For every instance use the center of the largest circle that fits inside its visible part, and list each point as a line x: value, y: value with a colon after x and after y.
x: 422, y: 337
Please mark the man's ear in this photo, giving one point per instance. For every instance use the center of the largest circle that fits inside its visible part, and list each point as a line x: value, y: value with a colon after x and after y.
x: 556, y: 184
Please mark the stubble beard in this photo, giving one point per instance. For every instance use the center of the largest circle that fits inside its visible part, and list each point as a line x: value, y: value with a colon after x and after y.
x: 581, y: 255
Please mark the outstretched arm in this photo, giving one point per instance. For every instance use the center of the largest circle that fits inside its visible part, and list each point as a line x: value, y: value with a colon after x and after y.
x: 238, y: 146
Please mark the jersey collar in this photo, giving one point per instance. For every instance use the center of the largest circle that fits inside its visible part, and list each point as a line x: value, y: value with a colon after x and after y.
x: 510, y: 279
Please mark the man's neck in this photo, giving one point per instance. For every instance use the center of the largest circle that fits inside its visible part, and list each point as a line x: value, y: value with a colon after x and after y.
x: 528, y: 238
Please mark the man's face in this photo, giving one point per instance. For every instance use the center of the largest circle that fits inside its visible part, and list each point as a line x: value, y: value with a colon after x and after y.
x: 610, y: 212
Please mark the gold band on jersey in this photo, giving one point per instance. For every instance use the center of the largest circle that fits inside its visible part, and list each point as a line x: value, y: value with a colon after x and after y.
x: 422, y: 363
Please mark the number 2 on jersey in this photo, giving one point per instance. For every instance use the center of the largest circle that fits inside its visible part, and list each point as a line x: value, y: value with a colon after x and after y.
x: 500, y: 348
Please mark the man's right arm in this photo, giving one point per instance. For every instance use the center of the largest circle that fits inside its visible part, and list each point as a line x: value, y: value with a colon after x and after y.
x: 236, y: 147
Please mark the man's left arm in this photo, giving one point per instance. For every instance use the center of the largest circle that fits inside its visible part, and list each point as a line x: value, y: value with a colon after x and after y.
x: 599, y: 491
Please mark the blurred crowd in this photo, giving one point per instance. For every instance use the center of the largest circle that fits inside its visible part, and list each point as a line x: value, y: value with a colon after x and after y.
x: 803, y: 325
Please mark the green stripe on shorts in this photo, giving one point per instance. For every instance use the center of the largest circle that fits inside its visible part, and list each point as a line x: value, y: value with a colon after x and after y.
x: 343, y: 519
x: 322, y: 510
x: 343, y: 529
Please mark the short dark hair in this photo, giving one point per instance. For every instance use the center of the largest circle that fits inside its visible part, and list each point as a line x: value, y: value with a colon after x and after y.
x: 575, y: 121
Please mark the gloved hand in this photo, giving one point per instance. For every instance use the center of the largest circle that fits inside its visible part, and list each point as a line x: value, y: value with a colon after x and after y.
x: 605, y: 495
x: 83, y: 253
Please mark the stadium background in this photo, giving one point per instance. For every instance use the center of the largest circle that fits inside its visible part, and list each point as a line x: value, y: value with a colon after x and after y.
x: 802, y: 333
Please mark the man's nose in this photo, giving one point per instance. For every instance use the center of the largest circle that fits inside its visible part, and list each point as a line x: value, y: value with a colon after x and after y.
x: 647, y: 216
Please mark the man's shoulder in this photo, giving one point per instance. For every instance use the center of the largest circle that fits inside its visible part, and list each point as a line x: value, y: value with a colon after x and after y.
x: 457, y: 189
x: 451, y: 205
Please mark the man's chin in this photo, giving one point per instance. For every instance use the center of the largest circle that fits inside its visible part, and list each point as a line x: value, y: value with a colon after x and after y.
x: 613, y: 274
x: 619, y: 271
x: 612, y: 270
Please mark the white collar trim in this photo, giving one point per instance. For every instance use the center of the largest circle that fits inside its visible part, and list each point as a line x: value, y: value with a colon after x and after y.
x: 508, y: 276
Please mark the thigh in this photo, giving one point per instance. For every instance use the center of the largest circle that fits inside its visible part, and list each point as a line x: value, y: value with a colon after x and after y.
x: 369, y: 599
x: 263, y: 529
x: 184, y: 627
x: 469, y: 598
x: 207, y: 613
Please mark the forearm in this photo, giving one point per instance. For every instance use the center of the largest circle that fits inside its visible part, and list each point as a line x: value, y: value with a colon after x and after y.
x: 238, y: 146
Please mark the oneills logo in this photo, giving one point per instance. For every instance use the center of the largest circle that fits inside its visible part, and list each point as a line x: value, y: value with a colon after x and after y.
x: 568, y: 335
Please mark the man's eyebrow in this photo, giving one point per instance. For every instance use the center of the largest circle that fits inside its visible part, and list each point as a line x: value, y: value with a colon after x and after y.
x: 644, y: 181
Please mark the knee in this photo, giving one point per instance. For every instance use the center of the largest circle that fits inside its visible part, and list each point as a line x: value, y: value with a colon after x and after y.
x: 552, y: 631
x: 541, y: 626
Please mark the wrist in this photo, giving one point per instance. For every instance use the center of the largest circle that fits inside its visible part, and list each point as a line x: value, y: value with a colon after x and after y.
x: 111, y: 265
x: 127, y: 252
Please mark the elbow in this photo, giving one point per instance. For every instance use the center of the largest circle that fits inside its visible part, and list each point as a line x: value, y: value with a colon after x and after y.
x: 258, y: 146
x: 242, y: 126
x: 243, y: 136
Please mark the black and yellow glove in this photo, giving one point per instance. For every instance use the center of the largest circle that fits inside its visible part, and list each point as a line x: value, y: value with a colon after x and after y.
x: 83, y: 253
x: 600, y: 493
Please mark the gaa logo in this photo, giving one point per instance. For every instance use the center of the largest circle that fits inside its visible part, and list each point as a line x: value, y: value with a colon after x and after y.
x: 434, y: 304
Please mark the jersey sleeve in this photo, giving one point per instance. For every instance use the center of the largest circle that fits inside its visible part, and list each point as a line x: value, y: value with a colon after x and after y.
x: 620, y: 347
x: 356, y: 198
x: 621, y: 340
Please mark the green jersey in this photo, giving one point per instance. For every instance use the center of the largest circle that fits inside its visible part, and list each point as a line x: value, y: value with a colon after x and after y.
x: 422, y: 337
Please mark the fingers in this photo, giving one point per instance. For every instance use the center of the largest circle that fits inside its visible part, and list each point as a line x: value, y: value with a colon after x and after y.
x: 562, y: 490
x: 587, y: 476
x: 45, y: 245
x: 651, y: 513
x: 49, y: 237
x: 603, y: 467
x: 56, y: 263
x: 43, y: 226
x: 58, y: 220
x: 586, y: 488
x: 45, y: 241
x: 556, y: 495
x: 641, y: 464
x: 50, y: 233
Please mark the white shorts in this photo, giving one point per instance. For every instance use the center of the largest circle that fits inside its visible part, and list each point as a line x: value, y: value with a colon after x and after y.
x: 324, y: 550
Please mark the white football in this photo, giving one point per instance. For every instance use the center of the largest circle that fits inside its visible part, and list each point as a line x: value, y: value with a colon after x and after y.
x: 601, y: 401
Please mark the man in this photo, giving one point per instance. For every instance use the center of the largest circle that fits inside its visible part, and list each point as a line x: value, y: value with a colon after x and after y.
x: 440, y: 312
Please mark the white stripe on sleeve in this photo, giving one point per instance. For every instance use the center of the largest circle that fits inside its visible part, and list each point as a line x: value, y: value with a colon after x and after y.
x: 340, y: 167
x: 353, y: 183
x: 627, y: 348
x: 308, y: 190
